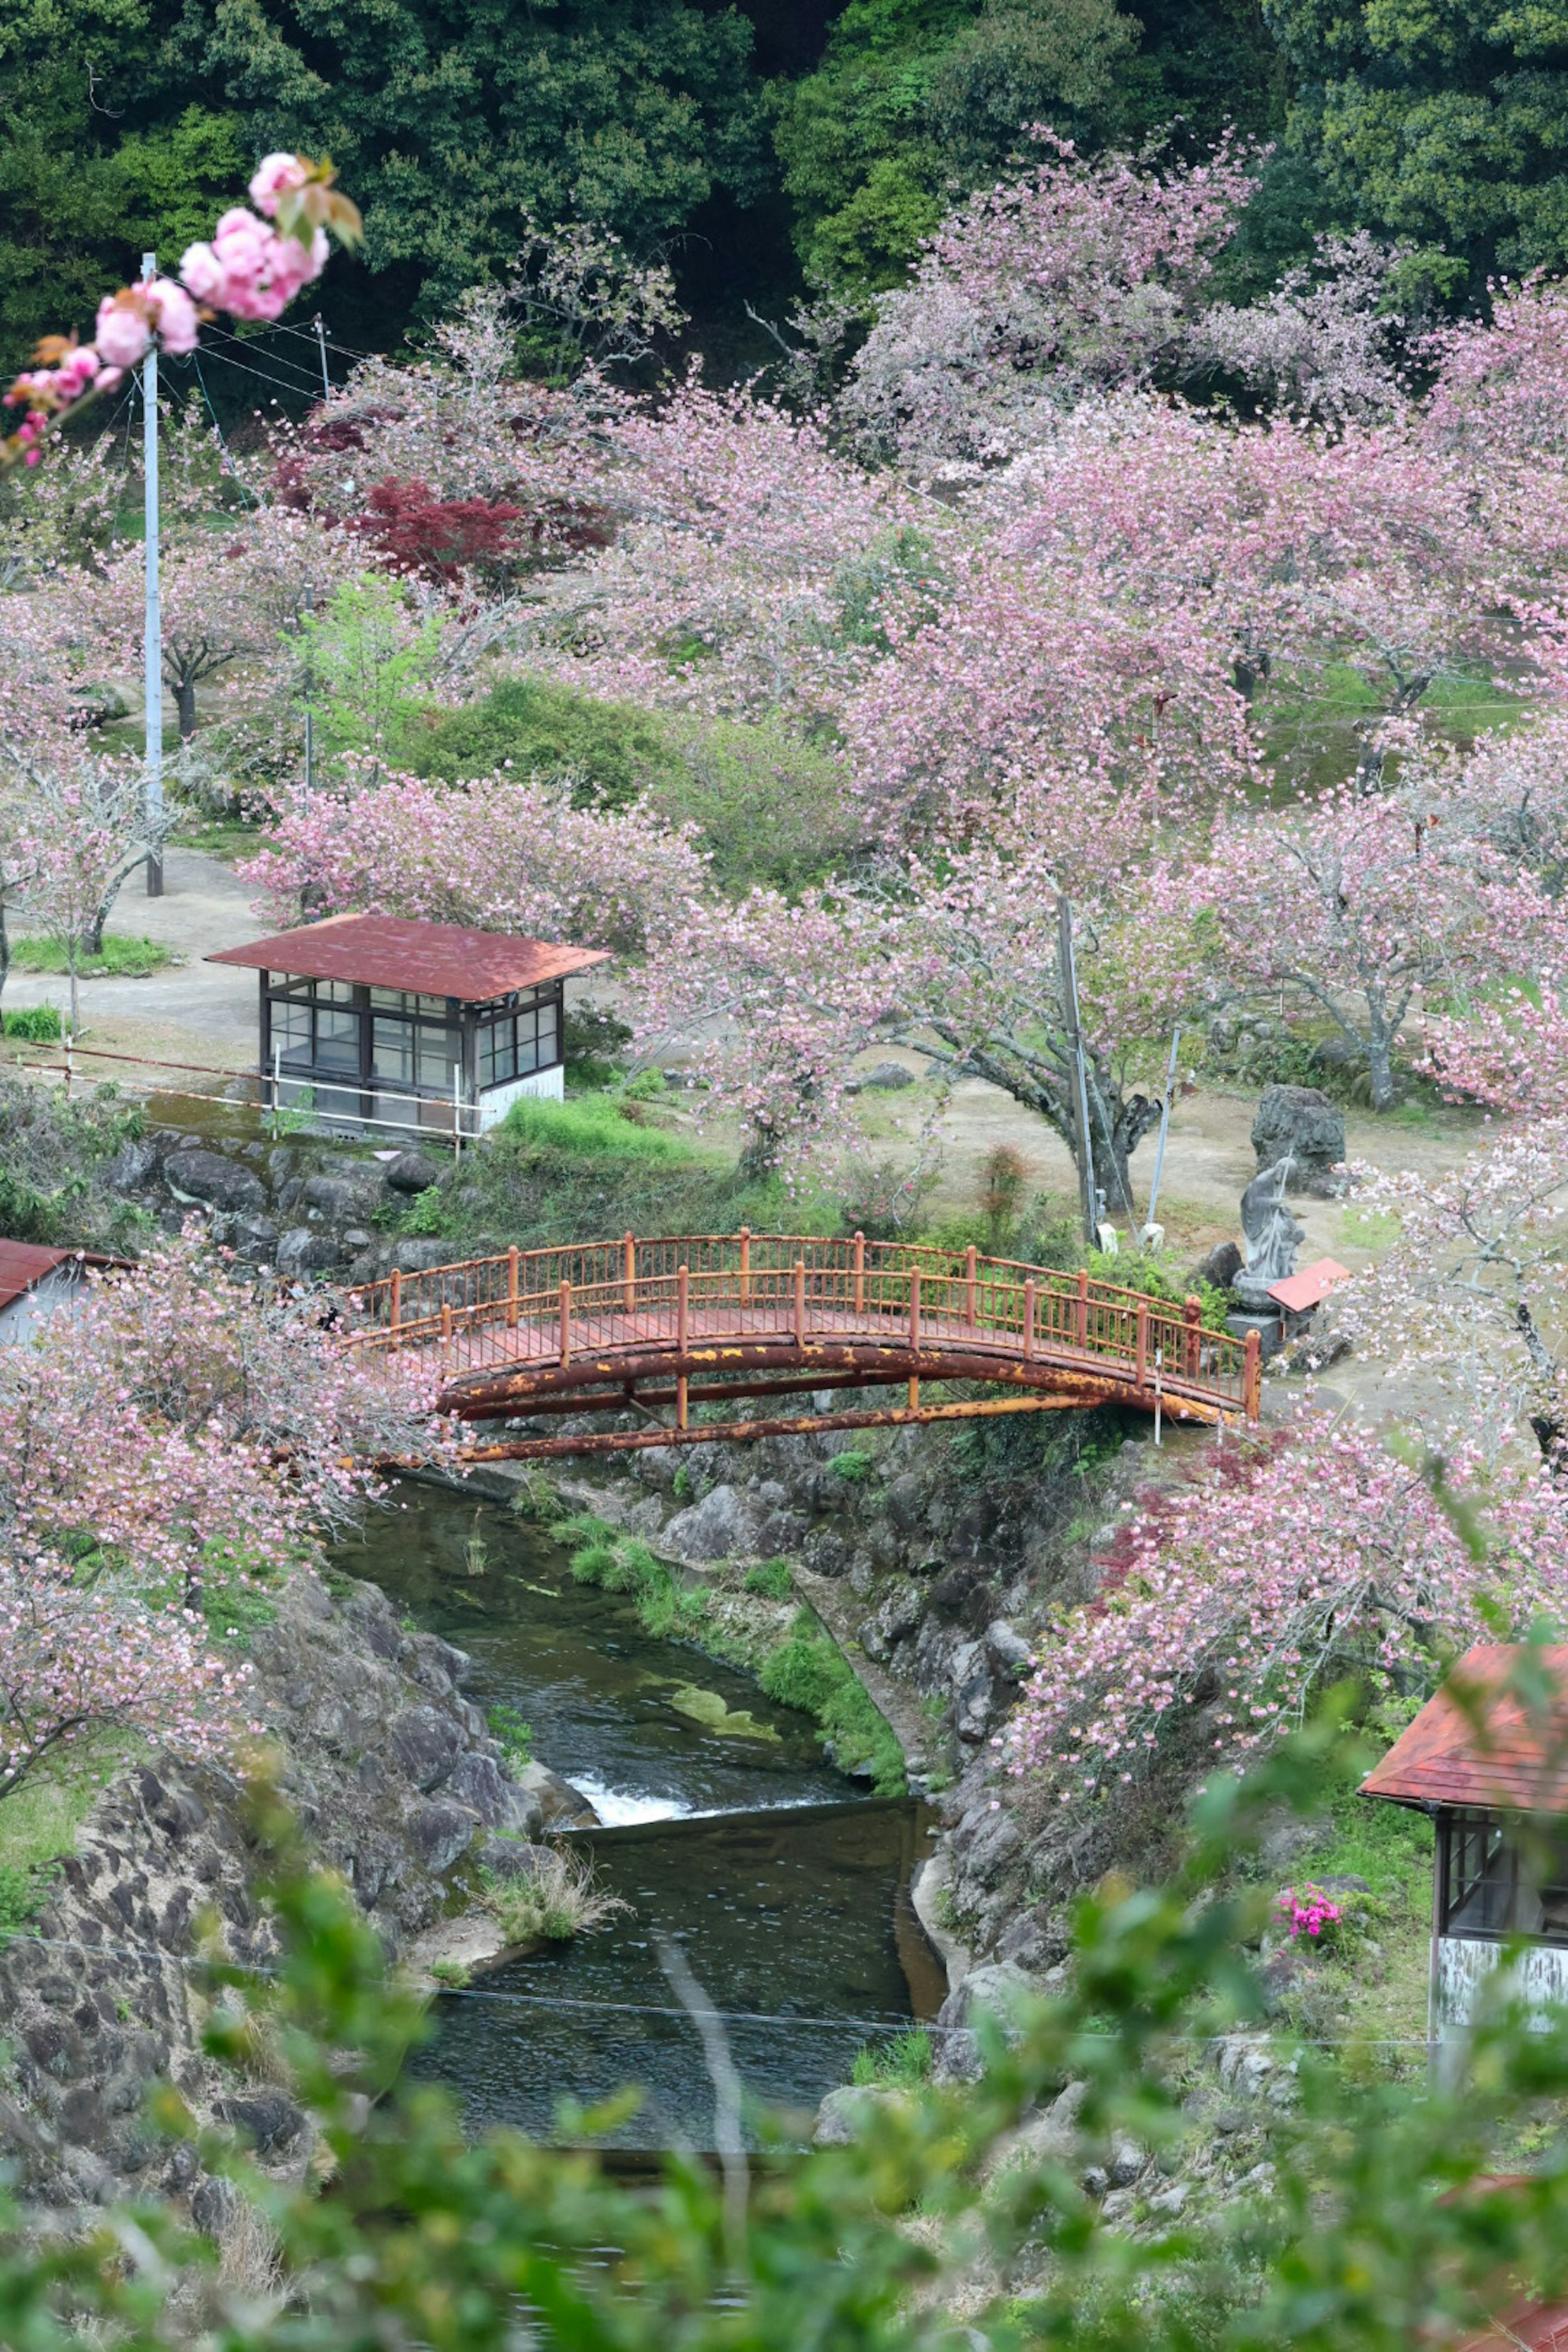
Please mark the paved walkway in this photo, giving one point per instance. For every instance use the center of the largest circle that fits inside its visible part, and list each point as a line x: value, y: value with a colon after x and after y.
x: 204, y: 1013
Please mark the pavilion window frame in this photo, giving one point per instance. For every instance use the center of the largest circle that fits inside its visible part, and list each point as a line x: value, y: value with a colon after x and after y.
x: 483, y: 1046
x: 1480, y: 1872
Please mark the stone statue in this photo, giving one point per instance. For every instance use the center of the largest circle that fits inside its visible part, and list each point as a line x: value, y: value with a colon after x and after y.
x: 1272, y: 1238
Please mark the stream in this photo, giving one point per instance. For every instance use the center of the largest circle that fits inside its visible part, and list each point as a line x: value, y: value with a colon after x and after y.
x: 724, y: 1828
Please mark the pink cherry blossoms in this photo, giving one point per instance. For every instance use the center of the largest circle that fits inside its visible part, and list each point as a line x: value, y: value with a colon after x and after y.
x: 175, y: 1434
x: 252, y: 269
x: 1227, y: 1610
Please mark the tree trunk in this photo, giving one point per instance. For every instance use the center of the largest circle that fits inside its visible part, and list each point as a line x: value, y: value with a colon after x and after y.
x: 5, y: 947
x: 186, y: 704
x: 1380, y: 1058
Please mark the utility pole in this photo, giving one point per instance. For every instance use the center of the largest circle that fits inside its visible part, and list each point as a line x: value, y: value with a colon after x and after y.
x: 152, y: 633
x: 1084, y: 1154
x: 321, y: 346
x: 310, y: 603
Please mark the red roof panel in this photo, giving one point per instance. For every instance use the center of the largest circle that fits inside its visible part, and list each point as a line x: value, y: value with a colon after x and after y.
x: 1494, y: 1753
x: 24, y: 1264
x: 429, y: 958
x: 1311, y: 1286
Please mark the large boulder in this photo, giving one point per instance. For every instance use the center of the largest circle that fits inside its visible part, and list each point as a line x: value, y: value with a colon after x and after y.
x: 1301, y: 1123
x: 338, y: 1200
x: 303, y: 1250
x: 413, y: 1171
x: 721, y: 1526
x: 208, y: 1181
x: 424, y: 1745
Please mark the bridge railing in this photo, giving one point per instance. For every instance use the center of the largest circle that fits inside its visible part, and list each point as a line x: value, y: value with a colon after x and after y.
x: 539, y: 1306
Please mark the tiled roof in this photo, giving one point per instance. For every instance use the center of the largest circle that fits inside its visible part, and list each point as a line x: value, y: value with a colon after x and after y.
x: 429, y: 958
x: 1532, y: 2327
x: 23, y: 1264
x: 1311, y: 1286
x: 1494, y: 1752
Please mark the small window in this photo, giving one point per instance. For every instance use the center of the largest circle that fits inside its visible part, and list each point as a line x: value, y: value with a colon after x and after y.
x: 437, y: 1055
x: 392, y: 1051
x: 291, y: 1030
x: 390, y: 1000
x: 334, y: 992
x: 337, y: 1040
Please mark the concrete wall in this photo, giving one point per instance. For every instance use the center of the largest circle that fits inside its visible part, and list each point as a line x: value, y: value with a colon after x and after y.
x: 547, y: 1085
x: 1463, y: 1964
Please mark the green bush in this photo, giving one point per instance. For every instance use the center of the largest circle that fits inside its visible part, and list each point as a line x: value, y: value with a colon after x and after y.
x: 609, y: 751
x: 33, y: 1025
x: 809, y: 1673
x: 903, y: 2063
x: 852, y: 1466
x: 590, y: 1127
x: 425, y: 1215
x: 23, y: 1891
x: 511, y: 1727
x: 770, y: 1578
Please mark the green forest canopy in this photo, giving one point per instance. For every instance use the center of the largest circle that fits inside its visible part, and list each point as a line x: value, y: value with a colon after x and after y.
x: 768, y: 145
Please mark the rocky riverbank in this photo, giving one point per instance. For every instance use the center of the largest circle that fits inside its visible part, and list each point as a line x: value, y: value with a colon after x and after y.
x: 399, y: 1785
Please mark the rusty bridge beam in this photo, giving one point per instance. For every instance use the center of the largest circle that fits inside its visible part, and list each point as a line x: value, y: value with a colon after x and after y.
x: 637, y: 1440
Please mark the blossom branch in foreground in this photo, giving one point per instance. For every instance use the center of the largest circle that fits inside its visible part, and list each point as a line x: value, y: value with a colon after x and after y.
x: 252, y: 269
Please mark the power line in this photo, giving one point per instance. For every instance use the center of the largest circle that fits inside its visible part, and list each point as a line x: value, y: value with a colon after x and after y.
x: 281, y: 327
x: 243, y: 343
x: 281, y: 382
x: 232, y: 470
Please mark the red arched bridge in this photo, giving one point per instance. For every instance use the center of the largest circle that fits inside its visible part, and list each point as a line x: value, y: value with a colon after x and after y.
x: 709, y: 1319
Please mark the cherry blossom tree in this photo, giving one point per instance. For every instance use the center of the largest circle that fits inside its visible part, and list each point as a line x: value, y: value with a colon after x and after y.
x: 1353, y: 906
x: 254, y: 266
x: 957, y: 961
x: 1471, y: 1296
x: 1212, y: 1633
x: 1327, y: 341
x: 178, y: 1432
x: 82, y: 826
x: 1510, y: 1052
x: 190, y: 1424
x: 1076, y: 277
x: 502, y: 852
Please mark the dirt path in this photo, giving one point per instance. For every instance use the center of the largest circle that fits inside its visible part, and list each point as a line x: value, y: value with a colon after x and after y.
x: 192, y: 1011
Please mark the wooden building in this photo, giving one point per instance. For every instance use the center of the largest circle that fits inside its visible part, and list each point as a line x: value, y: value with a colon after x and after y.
x: 371, y: 1020
x: 36, y: 1281
x: 1493, y: 1775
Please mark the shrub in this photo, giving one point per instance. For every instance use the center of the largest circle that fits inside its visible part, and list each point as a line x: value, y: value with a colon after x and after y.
x: 33, y: 1025
x: 592, y: 1048
x: 770, y: 1578
x: 901, y: 2064
x: 512, y: 1728
x: 852, y: 1466
x: 454, y: 1976
x: 809, y: 1673
x: 555, y: 1897
x: 425, y: 1215
x: 590, y: 1127
x: 609, y: 752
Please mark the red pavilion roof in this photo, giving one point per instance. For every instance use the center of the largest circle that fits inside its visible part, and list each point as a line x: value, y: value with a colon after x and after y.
x: 1494, y: 1753
x: 428, y: 958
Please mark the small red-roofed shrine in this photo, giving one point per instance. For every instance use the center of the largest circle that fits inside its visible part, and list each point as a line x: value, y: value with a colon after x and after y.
x: 1486, y: 1764
x: 374, y: 1020
x: 1299, y: 1293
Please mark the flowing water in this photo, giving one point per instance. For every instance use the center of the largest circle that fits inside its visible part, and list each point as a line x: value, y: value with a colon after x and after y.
x: 725, y: 1830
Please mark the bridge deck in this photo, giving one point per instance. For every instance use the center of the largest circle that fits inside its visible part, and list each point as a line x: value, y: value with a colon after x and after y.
x: 713, y: 1316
